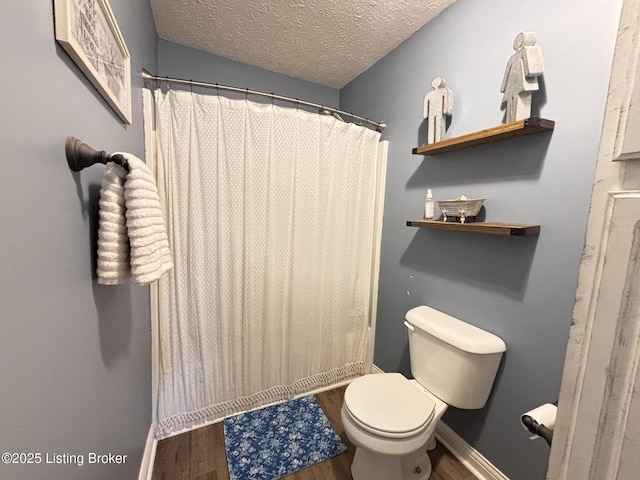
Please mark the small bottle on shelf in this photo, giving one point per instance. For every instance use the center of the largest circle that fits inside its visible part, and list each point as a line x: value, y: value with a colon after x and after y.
x: 429, y: 206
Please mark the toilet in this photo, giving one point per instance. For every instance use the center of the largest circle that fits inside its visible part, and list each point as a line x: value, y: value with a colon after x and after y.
x: 391, y: 420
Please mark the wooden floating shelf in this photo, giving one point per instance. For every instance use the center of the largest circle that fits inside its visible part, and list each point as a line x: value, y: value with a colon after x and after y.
x: 521, y: 128
x: 492, y: 228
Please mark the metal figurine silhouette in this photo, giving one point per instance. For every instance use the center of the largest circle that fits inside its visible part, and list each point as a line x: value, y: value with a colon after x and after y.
x: 521, y: 76
x: 438, y: 103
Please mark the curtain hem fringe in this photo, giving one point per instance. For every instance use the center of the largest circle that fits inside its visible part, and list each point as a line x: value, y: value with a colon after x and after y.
x: 192, y: 420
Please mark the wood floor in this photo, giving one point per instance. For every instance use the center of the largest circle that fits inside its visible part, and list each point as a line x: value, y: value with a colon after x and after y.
x: 200, y: 454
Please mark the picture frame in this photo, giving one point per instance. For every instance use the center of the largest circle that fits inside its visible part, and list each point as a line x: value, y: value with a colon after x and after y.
x: 88, y: 32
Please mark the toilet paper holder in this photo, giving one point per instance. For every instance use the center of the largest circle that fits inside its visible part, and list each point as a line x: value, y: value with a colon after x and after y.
x: 541, y: 421
x: 537, y: 429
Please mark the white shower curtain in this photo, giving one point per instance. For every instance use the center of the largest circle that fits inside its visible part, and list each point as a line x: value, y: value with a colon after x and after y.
x: 270, y: 214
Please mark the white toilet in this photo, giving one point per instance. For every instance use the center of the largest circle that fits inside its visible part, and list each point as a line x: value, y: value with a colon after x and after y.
x: 391, y: 420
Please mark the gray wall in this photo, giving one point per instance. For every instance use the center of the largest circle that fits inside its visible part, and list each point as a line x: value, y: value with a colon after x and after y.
x: 187, y: 63
x: 522, y: 289
x: 74, y: 355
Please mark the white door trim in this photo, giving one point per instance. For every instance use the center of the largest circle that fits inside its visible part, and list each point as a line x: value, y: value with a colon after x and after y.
x: 596, y: 396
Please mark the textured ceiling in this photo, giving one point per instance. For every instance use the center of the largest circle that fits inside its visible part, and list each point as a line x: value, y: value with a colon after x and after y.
x: 328, y: 42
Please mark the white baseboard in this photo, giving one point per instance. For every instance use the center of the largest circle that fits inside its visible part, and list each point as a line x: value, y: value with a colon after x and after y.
x: 148, y: 457
x: 376, y: 369
x: 473, y: 460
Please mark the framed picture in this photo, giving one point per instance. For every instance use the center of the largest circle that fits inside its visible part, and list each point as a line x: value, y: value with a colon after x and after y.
x: 88, y: 31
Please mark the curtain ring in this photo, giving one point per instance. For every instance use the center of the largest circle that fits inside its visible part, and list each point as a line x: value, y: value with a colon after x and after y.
x: 246, y: 93
x: 191, y: 85
x: 217, y: 89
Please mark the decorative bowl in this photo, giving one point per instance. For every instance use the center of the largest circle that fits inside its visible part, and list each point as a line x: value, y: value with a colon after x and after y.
x: 460, y: 208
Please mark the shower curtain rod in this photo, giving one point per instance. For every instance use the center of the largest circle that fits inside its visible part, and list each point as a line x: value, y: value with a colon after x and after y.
x: 323, y: 109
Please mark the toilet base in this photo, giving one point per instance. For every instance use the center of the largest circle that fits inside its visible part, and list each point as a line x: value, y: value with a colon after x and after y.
x: 374, y: 466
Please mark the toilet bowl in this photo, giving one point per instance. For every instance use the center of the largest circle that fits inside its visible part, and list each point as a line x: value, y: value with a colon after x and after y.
x: 391, y: 420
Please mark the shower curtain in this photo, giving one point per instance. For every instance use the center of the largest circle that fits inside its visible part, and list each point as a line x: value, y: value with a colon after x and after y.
x: 270, y: 215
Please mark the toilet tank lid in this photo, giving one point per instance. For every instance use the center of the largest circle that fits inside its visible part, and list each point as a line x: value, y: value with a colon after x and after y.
x: 462, y: 335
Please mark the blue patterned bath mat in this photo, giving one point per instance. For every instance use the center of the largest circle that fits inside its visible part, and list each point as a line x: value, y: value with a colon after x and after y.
x: 276, y: 441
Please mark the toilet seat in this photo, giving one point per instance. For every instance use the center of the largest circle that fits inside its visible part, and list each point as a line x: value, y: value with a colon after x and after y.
x: 388, y: 405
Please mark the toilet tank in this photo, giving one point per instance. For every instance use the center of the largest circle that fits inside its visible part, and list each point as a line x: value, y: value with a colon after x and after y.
x: 452, y: 359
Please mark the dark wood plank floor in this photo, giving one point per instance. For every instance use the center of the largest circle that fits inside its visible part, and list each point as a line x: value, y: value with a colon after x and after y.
x: 200, y: 454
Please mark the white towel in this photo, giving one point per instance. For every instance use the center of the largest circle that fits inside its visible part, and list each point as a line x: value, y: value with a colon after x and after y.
x: 113, y: 243
x: 150, y: 254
